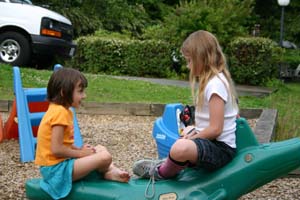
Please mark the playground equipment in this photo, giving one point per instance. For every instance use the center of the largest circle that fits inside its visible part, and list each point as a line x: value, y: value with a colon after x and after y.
x: 27, y: 111
x: 254, y: 165
x: 10, y: 128
x: 166, y: 129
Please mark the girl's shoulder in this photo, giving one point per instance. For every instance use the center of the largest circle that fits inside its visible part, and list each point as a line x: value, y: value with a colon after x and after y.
x: 218, y: 79
x: 57, y: 108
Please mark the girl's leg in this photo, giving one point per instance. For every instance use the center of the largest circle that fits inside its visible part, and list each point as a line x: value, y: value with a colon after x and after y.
x: 116, y: 174
x: 184, y: 150
x: 181, y: 154
x: 101, y: 161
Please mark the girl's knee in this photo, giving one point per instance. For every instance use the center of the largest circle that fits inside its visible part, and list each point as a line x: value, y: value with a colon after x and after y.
x: 104, y: 158
x: 180, y: 145
x: 180, y: 149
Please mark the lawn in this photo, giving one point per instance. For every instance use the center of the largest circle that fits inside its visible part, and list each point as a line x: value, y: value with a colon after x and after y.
x: 100, y: 88
x: 287, y: 101
x: 104, y: 88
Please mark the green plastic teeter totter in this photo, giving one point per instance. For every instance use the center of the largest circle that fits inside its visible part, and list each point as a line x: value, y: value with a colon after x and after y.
x: 255, y: 165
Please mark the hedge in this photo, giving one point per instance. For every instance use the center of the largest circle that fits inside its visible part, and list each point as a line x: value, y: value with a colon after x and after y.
x: 253, y: 60
x: 146, y: 58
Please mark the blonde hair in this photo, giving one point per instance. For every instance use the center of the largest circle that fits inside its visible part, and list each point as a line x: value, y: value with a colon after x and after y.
x: 208, y: 60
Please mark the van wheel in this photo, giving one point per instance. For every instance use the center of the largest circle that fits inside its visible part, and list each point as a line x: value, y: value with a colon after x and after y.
x: 14, y: 49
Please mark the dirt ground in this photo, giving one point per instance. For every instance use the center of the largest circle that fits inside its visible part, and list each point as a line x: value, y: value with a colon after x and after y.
x: 128, y: 138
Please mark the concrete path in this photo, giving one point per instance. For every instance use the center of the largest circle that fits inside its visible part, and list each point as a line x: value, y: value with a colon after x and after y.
x: 242, y: 90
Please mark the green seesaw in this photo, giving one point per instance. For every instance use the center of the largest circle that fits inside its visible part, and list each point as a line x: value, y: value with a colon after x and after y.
x: 255, y: 165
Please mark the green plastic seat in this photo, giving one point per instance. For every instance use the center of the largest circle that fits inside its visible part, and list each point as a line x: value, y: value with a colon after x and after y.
x: 254, y: 165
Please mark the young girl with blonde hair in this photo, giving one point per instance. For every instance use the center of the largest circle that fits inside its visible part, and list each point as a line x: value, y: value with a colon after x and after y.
x: 211, y: 144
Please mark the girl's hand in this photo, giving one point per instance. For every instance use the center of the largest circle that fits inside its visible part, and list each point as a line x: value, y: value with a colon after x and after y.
x: 188, y: 132
x: 100, y: 148
x: 87, y: 146
x: 87, y: 150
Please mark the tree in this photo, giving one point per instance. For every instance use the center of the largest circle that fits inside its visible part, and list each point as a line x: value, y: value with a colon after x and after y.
x: 268, y: 16
x: 88, y: 16
x: 226, y: 19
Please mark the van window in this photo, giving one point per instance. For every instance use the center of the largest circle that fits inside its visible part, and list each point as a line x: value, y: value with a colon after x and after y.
x: 21, y: 1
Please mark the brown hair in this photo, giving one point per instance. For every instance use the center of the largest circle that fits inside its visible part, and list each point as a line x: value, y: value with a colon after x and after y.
x: 208, y: 60
x: 61, y: 85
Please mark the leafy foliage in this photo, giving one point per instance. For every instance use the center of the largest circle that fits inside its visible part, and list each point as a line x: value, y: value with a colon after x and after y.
x: 222, y: 16
x: 253, y: 60
x: 292, y: 57
x: 128, y: 57
x: 225, y: 18
x: 171, y: 21
x: 269, y: 14
x: 89, y: 15
x: 82, y: 23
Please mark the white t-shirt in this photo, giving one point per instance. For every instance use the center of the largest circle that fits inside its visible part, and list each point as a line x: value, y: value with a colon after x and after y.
x: 217, y: 86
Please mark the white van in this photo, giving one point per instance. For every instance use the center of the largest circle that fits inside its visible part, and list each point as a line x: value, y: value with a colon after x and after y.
x: 28, y: 31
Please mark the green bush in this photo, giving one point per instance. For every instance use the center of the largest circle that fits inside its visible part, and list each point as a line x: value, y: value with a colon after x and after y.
x: 214, y: 16
x: 189, y: 16
x: 147, y: 58
x: 253, y: 60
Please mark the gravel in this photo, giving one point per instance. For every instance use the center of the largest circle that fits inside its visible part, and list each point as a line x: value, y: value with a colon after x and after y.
x: 128, y: 138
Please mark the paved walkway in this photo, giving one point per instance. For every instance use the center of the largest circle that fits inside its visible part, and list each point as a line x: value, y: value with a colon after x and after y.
x: 242, y: 90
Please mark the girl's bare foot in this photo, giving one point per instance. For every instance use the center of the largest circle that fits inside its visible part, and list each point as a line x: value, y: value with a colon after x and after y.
x: 115, y: 174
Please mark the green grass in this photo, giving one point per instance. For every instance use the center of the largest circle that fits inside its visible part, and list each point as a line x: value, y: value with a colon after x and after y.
x: 100, y: 88
x: 287, y: 102
x: 107, y: 89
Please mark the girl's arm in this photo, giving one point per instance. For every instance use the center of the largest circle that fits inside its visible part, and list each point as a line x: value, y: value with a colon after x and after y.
x: 216, y: 121
x: 87, y: 146
x: 76, y: 148
x: 62, y: 151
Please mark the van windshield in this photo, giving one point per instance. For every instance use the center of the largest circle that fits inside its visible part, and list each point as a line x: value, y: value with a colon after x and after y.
x: 21, y: 1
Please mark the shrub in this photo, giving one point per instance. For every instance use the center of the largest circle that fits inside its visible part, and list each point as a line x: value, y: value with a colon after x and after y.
x: 214, y: 16
x: 253, y: 60
x: 123, y: 56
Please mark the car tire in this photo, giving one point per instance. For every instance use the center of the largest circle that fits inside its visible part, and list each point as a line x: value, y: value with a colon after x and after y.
x: 14, y: 49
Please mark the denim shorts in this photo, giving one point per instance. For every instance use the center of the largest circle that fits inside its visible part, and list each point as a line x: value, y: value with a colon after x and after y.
x: 213, y: 154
